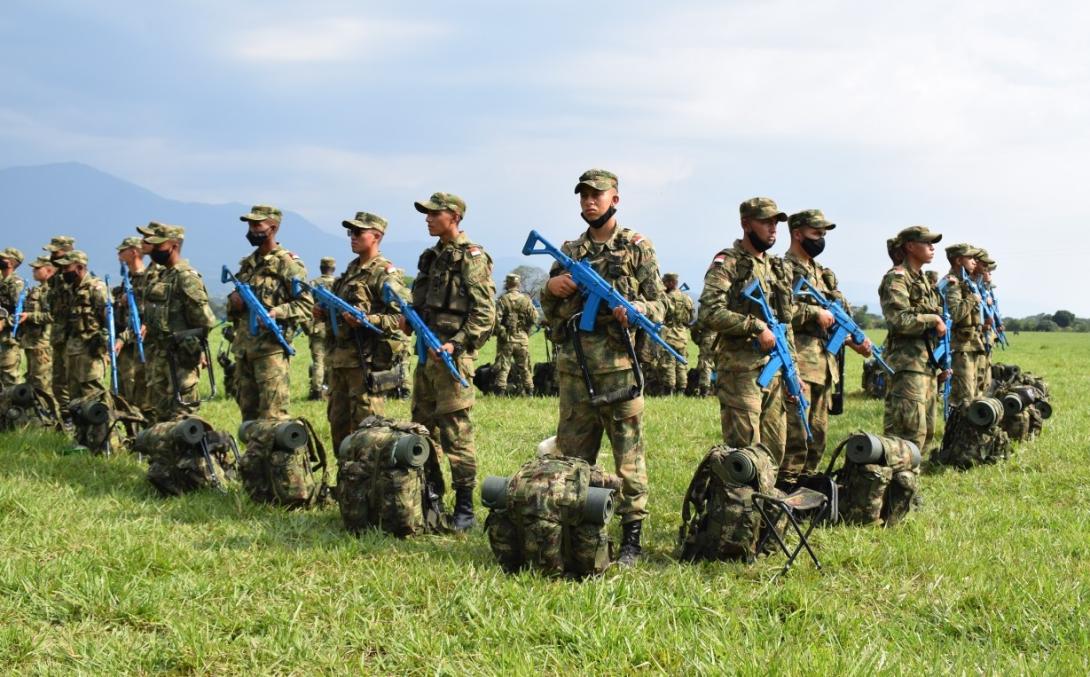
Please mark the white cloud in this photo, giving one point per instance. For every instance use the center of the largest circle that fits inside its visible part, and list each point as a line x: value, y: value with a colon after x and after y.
x: 326, y: 40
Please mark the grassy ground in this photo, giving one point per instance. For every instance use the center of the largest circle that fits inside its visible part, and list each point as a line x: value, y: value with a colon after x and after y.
x: 99, y: 575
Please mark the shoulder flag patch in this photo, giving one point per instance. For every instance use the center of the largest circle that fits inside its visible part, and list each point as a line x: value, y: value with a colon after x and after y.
x: 718, y: 260
x: 474, y: 251
x: 391, y: 268
x: 637, y: 238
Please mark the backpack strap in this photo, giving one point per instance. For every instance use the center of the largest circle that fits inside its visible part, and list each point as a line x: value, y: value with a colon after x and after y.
x: 836, y: 454
x: 317, y: 459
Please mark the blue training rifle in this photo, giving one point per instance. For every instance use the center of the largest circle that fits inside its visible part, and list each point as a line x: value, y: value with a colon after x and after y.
x: 942, y: 354
x: 19, y: 303
x: 111, y: 332
x: 845, y: 325
x: 134, y: 311
x: 258, y: 314
x: 425, y: 339
x: 333, y: 304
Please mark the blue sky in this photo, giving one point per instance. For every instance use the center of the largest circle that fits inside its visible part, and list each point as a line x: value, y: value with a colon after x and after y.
x: 967, y: 117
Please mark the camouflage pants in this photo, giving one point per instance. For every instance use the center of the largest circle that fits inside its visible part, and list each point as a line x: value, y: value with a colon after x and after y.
x: 442, y: 405
x: 983, y: 372
x: 60, y: 375
x: 514, y: 357
x: 802, y: 457
x: 964, y: 387
x: 910, y: 407
x: 750, y: 414
x: 349, y: 402
x: 10, y: 356
x: 85, y: 372
x: 39, y: 370
x: 317, y: 363
x: 131, y: 376
x: 160, y: 386
x: 579, y: 434
x: 673, y: 375
x: 704, y: 365
x: 263, y: 387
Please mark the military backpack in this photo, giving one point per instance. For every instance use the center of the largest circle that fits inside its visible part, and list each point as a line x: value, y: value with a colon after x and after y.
x: 22, y: 407
x: 187, y: 454
x: 285, y: 463
x: 878, y: 481
x: 974, y: 435
x: 104, y: 423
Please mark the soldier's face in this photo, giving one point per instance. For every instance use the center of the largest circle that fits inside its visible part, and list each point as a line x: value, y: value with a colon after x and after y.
x: 922, y: 251
x: 593, y: 203
x: 970, y: 265
x: 6, y: 267
x: 763, y: 229
x: 43, y: 273
x: 363, y: 239
x: 441, y: 222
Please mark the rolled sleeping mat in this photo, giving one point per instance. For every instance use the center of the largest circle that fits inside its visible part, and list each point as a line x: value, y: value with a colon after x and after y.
x: 1044, y: 408
x: 599, y: 506
x: 917, y: 458
x: 22, y: 395
x: 291, y: 435
x: 188, y: 431
x: 494, y: 492
x: 740, y: 467
x: 244, y: 428
x: 1018, y: 399
x: 410, y: 451
x: 985, y: 412
x: 93, y: 412
x: 866, y: 448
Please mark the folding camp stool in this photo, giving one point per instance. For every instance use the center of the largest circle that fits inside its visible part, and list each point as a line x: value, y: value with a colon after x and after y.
x: 796, y: 506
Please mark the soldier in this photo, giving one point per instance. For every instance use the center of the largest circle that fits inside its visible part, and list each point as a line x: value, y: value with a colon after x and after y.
x: 675, y: 329
x: 967, y: 339
x: 354, y: 353
x: 60, y: 306
x: 175, y: 304
x: 262, y: 363
x: 913, y: 311
x: 85, y: 336
x: 316, y: 334
x: 515, y: 319
x: 626, y: 259
x: 34, y: 331
x: 453, y: 292
x: 705, y: 361
x: 817, y: 367
x: 130, y: 370
x: 984, y: 366
x: 748, y: 413
x: 11, y: 286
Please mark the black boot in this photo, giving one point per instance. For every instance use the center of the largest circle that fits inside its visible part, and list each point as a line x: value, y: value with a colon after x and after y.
x: 463, y: 518
x: 630, y: 544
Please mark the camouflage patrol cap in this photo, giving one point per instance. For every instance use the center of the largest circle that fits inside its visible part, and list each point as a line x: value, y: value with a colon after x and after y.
x: 328, y: 262
x: 262, y: 213
x: 598, y: 179
x: 962, y: 249
x: 150, y: 229
x: 670, y: 276
x: 809, y: 218
x: 60, y: 243
x: 133, y: 242
x: 166, y: 233
x: 74, y: 256
x: 442, y: 201
x: 761, y: 208
x: 512, y: 280
x: 13, y: 254
x: 917, y: 234
x: 367, y: 221
x: 41, y: 262
x: 985, y: 259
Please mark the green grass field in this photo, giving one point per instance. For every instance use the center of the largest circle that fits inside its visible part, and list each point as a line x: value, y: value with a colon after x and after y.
x: 991, y: 575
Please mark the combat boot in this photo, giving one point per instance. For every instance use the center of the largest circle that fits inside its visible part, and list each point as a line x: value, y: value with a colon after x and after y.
x: 463, y: 518
x: 630, y: 543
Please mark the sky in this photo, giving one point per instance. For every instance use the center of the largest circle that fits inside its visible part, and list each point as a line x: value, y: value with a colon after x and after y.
x: 970, y: 118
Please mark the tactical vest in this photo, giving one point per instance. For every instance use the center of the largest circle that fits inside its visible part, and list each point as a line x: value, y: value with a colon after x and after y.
x: 285, y: 463
x: 86, y: 316
x: 361, y: 286
x: 445, y: 296
x: 32, y: 331
x: 272, y: 287
x: 777, y: 290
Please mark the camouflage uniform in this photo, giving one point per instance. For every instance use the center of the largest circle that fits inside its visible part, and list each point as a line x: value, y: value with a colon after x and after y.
x: 705, y: 361
x: 10, y: 289
x: 262, y: 370
x: 967, y: 338
x: 675, y: 329
x: 353, y: 354
x: 176, y: 301
x: 911, y: 306
x: 58, y: 299
x: 515, y: 318
x: 132, y: 379
x: 984, y: 360
x: 817, y: 366
x: 85, y: 336
x: 453, y: 292
x: 34, y: 336
x: 316, y: 336
x: 749, y: 414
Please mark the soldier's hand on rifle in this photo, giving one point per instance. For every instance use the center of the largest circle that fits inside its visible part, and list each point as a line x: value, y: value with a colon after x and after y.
x: 562, y: 286
x: 824, y: 318
x: 945, y: 374
x: 940, y: 327
x: 403, y: 325
x: 118, y: 345
x: 317, y: 312
x: 447, y: 347
x: 351, y: 320
x: 272, y: 313
x: 766, y: 340
x: 143, y: 331
x: 865, y: 348
x: 235, y: 300
x: 621, y: 315
x: 22, y: 317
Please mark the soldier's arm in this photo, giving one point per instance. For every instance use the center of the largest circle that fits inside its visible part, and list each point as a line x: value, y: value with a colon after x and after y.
x: 714, y: 313
x: 198, y: 312
x: 651, y: 293
x: 481, y: 315
x: 41, y: 315
x: 900, y: 316
x: 959, y: 301
x: 295, y: 308
x: 388, y: 316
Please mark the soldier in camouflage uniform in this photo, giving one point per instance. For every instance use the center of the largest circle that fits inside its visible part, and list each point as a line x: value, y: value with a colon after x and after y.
x: 86, y: 339
x: 453, y: 292
x: 811, y: 324
x: 355, y: 353
x: 316, y: 335
x: 627, y: 260
x: 34, y: 331
x: 705, y: 361
x: 675, y: 329
x: 11, y: 286
x: 748, y: 413
x: 984, y: 365
x: 60, y: 306
x: 967, y: 339
x: 262, y: 369
x: 515, y: 319
x: 176, y: 301
x: 913, y: 311
x: 130, y: 370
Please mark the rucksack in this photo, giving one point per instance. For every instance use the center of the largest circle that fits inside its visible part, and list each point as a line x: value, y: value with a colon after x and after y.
x: 22, y: 407
x: 285, y: 463
x: 1025, y: 399
x: 552, y: 516
x: 718, y: 518
x: 974, y: 435
x: 187, y: 454
x: 104, y: 423
x: 389, y: 479
x: 878, y: 481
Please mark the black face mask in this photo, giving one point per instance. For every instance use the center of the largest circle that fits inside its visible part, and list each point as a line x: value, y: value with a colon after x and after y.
x: 5, y: 266
x: 256, y: 239
x: 813, y: 247
x: 601, y: 220
x: 70, y: 276
x: 160, y: 256
x: 758, y: 244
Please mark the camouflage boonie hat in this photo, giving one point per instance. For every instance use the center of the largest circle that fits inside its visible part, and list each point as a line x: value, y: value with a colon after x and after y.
x: 133, y: 242
x: 512, y: 280
x: 598, y: 179
x: 761, y: 208
x: 12, y: 253
x: 809, y: 218
x: 261, y: 213
x: 327, y: 262
x: 917, y: 234
x: 60, y: 243
x: 166, y: 234
x: 962, y: 249
x: 41, y: 262
x: 150, y: 229
x: 367, y: 221
x: 74, y: 256
x: 442, y: 201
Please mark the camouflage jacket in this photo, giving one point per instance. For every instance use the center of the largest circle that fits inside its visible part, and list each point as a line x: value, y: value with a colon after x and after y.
x: 317, y: 330
x: 59, y: 299
x: 175, y: 301
x: 968, y: 333
x: 911, y: 306
x: 627, y: 261
x: 34, y: 330
x: 737, y: 320
x: 453, y: 292
x: 361, y: 286
x: 816, y: 364
x: 515, y: 317
x: 679, y: 313
x: 121, y: 305
x: 270, y: 276
x: 10, y: 288
x: 86, y: 325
